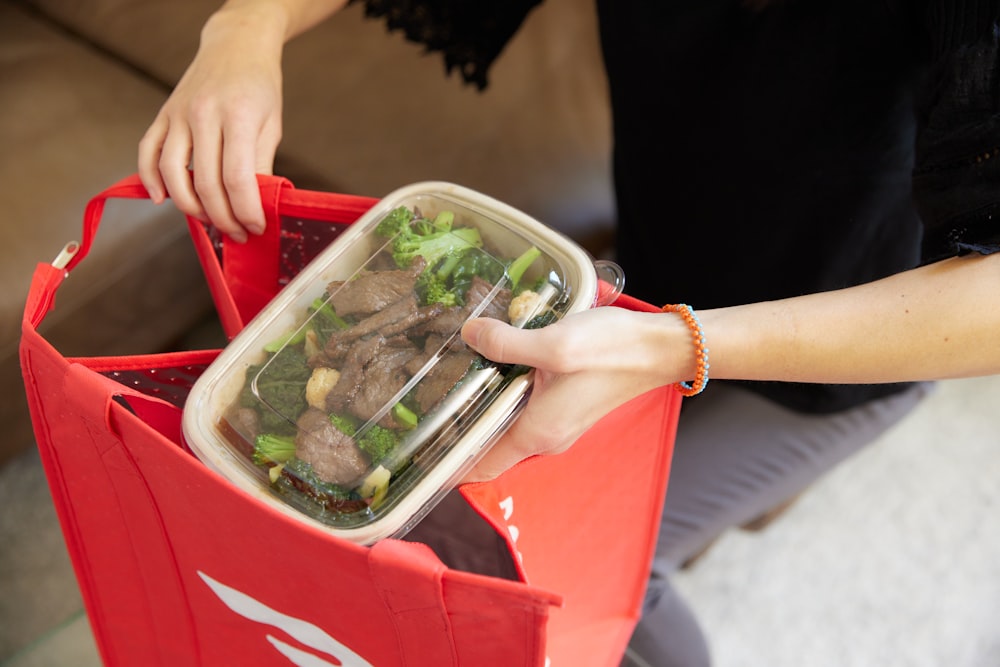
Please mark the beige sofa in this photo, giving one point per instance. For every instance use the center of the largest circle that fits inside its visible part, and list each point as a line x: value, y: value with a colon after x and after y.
x: 80, y: 82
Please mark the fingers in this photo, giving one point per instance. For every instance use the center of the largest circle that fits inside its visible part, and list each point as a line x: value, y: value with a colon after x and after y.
x: 586, y: 365
x: 555, y: 417
x: 225, y: 148
x: 208, y: 184
x: 241, y: 161
x: 176, y: 156
x: 150, y: 148
x: 498, y: 460
x: 501, y: 342
x: 223, y: 189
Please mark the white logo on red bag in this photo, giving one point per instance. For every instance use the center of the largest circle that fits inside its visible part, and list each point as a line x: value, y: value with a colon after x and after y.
x: 302, y: 631
x: 507, y: 505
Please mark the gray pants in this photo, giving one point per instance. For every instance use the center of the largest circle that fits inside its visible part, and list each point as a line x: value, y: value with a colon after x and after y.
x: 738, y: 455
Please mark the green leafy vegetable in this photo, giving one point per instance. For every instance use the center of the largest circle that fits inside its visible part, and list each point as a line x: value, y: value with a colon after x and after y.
x: 299, y: 476
x: 279, y: 384
x: 404, y: 416
x: 326, y: 317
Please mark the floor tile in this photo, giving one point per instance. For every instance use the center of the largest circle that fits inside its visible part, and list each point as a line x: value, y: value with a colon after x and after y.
x: 69, y: 645
x: 38, y: 589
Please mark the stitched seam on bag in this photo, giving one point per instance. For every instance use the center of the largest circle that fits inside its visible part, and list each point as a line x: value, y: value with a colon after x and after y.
x: 164, y: 537
x: 388, y: 597
x: 147, y: 361
x: 81, y: 563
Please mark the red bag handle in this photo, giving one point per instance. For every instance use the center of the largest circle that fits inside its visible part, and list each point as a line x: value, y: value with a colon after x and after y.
x: 247, y: 277
x: 127, y: 188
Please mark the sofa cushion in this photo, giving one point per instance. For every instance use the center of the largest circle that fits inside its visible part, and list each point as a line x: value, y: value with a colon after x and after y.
x: 69, y: 125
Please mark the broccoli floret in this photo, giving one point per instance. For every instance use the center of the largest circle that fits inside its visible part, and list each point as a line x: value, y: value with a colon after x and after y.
x: 431, y: 288
x: 448, y: 282
x: 418, y: 236
x: 344, y: 424
x: 397, y: 221
x: 433, y: 247
x: 437, y: 292
x: 273, y: 448
x: 414, y: 236
x: 378, y: 441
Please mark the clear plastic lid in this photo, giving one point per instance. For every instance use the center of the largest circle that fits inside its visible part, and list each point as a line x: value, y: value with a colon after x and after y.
x: 351, y: 400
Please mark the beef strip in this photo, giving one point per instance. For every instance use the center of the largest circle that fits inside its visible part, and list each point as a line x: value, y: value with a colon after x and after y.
x: 372, y: 373
x: 371, y: 291
x: 384, y: 376
x: 333, y: 455
x: 479, y: 290
x: 396, y: 320
x: 352, y: 373
x: 432, y: 344
x: 451, y: 368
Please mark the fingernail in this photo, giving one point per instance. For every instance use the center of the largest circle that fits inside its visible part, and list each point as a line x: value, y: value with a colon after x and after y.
x: 470, y: 333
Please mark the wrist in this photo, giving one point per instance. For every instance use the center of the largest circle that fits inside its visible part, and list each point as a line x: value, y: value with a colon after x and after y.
x: 662, y: 349
x: 284, y: 19
x: 263, y: 24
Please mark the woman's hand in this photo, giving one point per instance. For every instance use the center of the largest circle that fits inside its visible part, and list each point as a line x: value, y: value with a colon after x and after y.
x: 586, y: 365
x: 223, y: 120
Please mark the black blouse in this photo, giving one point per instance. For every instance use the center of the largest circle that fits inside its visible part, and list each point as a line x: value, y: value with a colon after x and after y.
x: 766, y: 153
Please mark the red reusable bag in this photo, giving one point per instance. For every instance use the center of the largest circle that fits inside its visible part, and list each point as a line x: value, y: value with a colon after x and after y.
x: 179, y: 567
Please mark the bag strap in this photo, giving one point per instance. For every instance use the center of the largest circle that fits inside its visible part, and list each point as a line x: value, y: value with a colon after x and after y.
x: 127, y: 188
x: 248, y: 276
x: 251, y: 269
x: 49, y: 276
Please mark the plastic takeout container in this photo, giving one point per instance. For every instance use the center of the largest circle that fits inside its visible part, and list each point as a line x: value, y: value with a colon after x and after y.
x: 351, y: 401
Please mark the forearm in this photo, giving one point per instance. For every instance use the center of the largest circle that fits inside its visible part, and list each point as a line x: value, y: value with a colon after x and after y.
x: 937, y: 321
x: 270, y: 23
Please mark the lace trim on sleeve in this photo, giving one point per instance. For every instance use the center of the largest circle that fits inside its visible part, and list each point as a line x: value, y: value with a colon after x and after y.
x: 469, y: 34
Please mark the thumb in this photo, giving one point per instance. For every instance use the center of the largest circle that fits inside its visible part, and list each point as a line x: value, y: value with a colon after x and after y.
x: 503, y: 343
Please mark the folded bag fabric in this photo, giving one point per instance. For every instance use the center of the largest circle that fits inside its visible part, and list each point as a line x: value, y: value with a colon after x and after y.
x: 177, y: 566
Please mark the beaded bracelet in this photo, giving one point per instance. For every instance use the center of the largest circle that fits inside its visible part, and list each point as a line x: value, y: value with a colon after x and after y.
x: 701, y: 352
